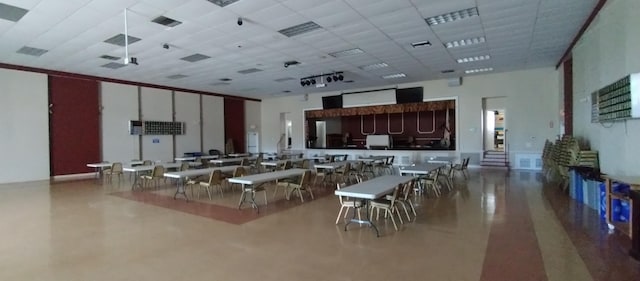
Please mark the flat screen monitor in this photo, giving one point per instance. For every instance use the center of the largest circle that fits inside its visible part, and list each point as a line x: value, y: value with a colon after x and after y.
x: 330, y: 102
x: 409, y: 95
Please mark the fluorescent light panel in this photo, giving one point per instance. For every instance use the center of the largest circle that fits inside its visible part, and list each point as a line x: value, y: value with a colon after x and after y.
x: 478, y: 70
x: 465, y: 42
x: 453, y: 16
x: 11, y: 13
x: 177, y: 76
x: 108, y: 57
x: 119, y: 40
x: 166, y: 21
x: 195, y: 58
x: 250, y: 70
x: 473, y: 59
x: 31, y: 51
x: 346, y: 53
x: 223, y: 3
x: 299, y: 29
x: 113, y: 65
x: 373, y: 66
x: 393, y: 76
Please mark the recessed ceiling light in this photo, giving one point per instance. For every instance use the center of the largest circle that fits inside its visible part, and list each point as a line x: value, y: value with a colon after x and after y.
x: 346, y: 53
x: 177, y: 76
x: 478, y: 70
x: 166, y: 21
x: 31, y: 51
x: 195, y: 57
x: 465, y: 42
x: 119, y: 40
x: 453, y: 16
x: 11, y: 13
x: 393, y: 76
x: 420, y: 44
x: 299, y: 29
x: 223, y: 3
x: 473, y: 59
x: 373, y: 66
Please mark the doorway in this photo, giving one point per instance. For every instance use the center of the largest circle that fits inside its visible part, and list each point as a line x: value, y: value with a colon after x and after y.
x: 494, y: 124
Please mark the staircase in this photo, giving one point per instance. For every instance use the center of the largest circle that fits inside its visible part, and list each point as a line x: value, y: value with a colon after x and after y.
x: 494, y: 158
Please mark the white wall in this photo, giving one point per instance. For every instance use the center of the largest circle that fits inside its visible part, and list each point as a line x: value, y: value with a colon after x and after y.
x: 119, y: 105
x: 531, y: 96
x: 156, y: 106
x: 24, y: 126
x: 213, y: 123
x: 187, y: 108
x: 606, y: 52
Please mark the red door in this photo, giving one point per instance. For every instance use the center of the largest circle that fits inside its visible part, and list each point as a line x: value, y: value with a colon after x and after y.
x: 74, y: 125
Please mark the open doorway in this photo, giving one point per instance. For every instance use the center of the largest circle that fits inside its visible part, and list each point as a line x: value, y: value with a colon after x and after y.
x: 494, y: 124
x: 284, y: 143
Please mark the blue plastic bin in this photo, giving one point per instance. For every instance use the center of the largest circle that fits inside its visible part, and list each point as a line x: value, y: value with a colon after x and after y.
x: 619, y: 208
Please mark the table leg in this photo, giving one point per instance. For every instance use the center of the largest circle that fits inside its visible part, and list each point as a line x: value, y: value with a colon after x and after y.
x: 136, y: 181
x: 635, y: 224
x: 243, y: 198
x: 367, y: 219
x: 181, y: 190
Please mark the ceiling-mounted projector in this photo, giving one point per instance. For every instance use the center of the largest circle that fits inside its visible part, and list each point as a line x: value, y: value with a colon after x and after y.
x: 321, y: 85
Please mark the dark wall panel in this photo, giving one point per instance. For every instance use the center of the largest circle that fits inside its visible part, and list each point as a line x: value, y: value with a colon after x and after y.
x: 234, y: 123
x: 568, y: 97
x: 74, y: 125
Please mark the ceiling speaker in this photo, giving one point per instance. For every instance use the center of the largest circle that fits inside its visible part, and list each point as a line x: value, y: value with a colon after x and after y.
x: 454, y: 82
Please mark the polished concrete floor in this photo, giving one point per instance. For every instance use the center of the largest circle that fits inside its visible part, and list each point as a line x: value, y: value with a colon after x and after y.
x: 493, y: 226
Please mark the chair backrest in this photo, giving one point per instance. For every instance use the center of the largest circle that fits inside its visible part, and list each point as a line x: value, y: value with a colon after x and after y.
x: 332, y: 158
x: 147, y: 163
x: 359, y: 167
x: 205, y: 162
x: 466, y: 162
x: 305, y: 179
x: 238, y: 172
x: 215, y: 177
x: 116, y: 167
x: 184, y: 166
x: 244, y: 162
x: 390, y: 160
x: 259, y: 160
x: 407, y: 190
x: 158, y: 171
x: 287, y: 165
x: 435, y: 173
x: 347, y: 167
x: 395, y: 193
x: 305, y: 164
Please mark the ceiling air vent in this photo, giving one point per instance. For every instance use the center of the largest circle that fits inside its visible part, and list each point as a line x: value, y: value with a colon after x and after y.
x: 166, y: 21
x: 119, y: 40
x: 195, y: 57
x: 223, y: 3
x: 113, y: 65
x: 11, y: 13
x: 250, y: 70
x: 31, y: 51
x: 108, y: 57
x: 177, y: 76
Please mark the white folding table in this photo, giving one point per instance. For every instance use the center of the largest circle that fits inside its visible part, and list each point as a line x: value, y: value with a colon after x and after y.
x: 101, y: 166
x: 369, y: 190
x: 192, y: 158
x: 137, y: 169
x: 253, y: 180
x: 224, y: 161
x: 420, y: 169
x: 442, y: 159
x: 239, y: 154
x: 276, y: 163
x: 181, y: 176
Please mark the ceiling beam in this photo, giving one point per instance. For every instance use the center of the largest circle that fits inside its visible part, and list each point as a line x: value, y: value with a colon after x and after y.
x: 582, y: 30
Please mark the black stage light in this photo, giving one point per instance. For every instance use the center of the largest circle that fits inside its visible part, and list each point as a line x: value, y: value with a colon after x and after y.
x: 335, y: 78
x: 313, y: 81
x: 340, y: 77
x: 302, y: 83
x: 329, y: 79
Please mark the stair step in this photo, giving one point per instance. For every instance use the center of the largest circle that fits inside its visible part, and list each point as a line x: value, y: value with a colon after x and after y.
x: 494, y: 164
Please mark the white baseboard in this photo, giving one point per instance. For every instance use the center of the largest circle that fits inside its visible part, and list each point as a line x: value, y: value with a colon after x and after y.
x: 74, y: 177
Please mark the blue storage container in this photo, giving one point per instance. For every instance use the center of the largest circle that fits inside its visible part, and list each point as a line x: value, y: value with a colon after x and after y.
x: 619, y: 208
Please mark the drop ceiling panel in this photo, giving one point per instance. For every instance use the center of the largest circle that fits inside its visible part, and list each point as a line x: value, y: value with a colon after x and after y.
x: 519, y: 34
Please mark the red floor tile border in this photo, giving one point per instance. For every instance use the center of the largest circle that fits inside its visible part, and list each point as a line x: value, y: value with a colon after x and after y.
x: 213, y: 211
x: 512, y: 252
x: 605, y: 254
